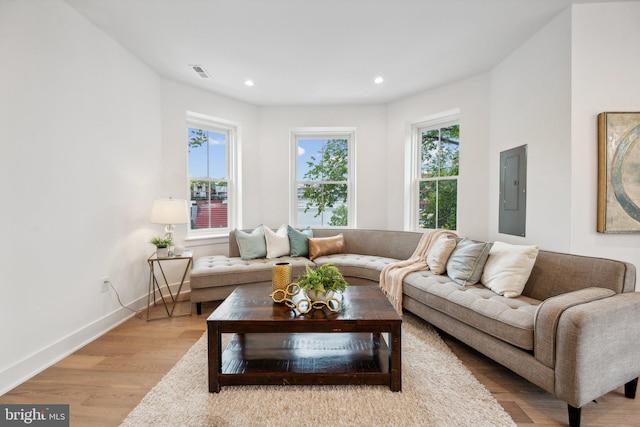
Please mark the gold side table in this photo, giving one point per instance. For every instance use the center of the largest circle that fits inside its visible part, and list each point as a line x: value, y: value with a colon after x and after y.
x: 158, y: 282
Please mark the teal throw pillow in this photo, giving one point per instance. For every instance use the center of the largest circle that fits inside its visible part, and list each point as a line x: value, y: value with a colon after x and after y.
x: 467, y: 261
x: 298, y: 241
x: 252, y: 245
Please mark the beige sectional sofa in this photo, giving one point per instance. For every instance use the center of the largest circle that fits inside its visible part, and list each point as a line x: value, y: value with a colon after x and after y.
x: 574, y: 331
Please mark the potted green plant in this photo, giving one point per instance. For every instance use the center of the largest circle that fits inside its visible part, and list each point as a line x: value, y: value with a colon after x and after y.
x: 320, y: 284
x: 162, y: 245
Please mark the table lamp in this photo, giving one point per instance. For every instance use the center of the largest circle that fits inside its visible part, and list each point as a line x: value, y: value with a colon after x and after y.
x: 169, y: 212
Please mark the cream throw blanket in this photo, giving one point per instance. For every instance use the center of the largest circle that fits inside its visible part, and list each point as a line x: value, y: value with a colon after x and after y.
x: 393, y: 274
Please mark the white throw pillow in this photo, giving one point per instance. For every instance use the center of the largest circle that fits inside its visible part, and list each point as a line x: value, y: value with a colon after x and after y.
x: 508, y: 268
x: 439, y: 255
x: 277, y: 242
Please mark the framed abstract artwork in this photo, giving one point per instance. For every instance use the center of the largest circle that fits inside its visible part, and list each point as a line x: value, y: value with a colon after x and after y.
x: 619, y: 172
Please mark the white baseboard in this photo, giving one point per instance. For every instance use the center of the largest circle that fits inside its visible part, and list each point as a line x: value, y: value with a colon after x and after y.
x: 39, y: 361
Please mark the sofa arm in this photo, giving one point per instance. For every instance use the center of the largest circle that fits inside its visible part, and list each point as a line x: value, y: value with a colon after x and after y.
x: 548, y: 315
x: 599, y: 348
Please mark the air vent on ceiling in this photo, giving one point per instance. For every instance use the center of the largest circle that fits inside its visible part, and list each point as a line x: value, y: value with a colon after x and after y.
x: 199, y: 69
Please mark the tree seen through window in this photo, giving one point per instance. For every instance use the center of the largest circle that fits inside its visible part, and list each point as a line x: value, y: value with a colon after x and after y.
x: 438, y: 182
x: 323, y: 168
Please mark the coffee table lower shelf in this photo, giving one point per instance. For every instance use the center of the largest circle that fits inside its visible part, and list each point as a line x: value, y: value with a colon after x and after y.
x: 305, y: 359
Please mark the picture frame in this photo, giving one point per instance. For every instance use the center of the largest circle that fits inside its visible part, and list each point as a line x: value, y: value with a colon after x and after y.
x: 618, y: 172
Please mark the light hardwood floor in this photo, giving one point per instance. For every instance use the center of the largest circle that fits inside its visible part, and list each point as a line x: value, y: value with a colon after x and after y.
x: 106, y: 379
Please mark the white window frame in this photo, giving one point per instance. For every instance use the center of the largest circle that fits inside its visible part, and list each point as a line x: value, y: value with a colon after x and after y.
x: 348, y: 133
x: 232, y: 129
x: 413, y: 147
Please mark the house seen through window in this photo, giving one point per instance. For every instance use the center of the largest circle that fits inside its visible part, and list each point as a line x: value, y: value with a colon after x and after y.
x: 210, y: 177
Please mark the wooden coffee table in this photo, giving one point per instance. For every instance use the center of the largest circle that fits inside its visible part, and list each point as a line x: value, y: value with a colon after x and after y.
x: 274, y: 345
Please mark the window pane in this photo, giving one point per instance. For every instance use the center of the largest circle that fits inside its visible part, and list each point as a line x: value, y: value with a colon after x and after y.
x: 427, y: 204
x: 439, y: 150
x: 198, y: 153
x: 207, y: 178
x: 207, y: 154
x: 447, y: 204
x: 217, y: 155
x: 429, y: 153
x: 322, y: 175
x: 450, y: 151
x: 438, y: 204
x: 322, y: 204
x: 209, y: 205
x: 310, y: 159
x: 323, y: 159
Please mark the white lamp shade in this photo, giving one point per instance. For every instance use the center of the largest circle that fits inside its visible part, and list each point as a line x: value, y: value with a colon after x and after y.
x: 169, y: 211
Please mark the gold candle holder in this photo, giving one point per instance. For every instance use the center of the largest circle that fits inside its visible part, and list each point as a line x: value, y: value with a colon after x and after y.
x: 281, y: 275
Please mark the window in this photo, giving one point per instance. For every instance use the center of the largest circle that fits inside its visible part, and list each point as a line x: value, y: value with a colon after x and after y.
x: 322, y: 192
x: 212, y: 189
x: 437, y: 148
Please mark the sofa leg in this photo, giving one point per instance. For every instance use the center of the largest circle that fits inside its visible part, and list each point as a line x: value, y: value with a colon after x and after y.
x: 199, y: 308
x: 574, y: 416
x: 630, y: 389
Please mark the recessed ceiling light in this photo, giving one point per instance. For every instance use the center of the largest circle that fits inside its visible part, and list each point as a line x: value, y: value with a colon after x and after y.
x: 378, y: 80
x: 248, y: 83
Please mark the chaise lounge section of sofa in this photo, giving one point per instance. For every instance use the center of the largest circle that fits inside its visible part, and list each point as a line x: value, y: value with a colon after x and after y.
x: 574, y: 331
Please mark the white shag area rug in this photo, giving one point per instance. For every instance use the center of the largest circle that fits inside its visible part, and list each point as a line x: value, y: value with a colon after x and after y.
x: 437, y: 390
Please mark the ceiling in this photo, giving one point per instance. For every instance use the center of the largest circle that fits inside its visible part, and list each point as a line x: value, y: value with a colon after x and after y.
x: 301, y: 52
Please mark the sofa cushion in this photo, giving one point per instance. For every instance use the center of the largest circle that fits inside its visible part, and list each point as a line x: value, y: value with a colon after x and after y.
x: 298, y: 241
x: 252, y: 245
x: 508, y: 268
x: 220, y: 270
x: 467, y: 261
x: 277, y: 242
x: 355, y: 265
x: 319, y: 246
x: 509, y: 319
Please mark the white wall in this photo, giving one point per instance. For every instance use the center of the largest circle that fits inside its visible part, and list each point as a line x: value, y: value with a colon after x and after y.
x: 531, y: 104
x: 90, y: 136
x: 80, y: 138
x: 265, y: 154
x: 471, y: 97
x: 605, y: 77
x: 177, y: 99
x: 547, y: 94
x: 276, y: 124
